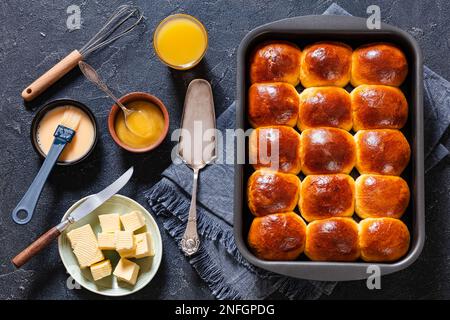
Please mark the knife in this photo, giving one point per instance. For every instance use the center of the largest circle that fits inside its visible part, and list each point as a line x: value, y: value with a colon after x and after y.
x: 92, y: 203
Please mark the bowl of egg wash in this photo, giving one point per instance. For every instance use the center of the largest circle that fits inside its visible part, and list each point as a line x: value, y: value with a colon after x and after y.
x: 146, y: 129
x: 47, y: 120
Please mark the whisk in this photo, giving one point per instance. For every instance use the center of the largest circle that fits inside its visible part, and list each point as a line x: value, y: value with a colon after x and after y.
x: 121, y: 22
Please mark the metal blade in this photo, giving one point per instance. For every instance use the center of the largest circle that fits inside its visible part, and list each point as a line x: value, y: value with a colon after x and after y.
x: 98, y: 199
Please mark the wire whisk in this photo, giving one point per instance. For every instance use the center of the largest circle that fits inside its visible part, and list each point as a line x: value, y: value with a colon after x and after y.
x: 118, y: 19
x: 124, y: 20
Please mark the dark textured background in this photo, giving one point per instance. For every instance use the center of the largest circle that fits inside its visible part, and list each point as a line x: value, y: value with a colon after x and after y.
x: 34, y: 36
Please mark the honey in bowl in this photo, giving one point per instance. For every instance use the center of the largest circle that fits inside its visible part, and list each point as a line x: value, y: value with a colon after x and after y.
x: 148, y: 122
x: 81, y: 143
x: 180, y: 41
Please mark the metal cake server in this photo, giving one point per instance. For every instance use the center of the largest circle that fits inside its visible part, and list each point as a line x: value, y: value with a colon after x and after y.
x: 196, y: 148
x: 80, y: 212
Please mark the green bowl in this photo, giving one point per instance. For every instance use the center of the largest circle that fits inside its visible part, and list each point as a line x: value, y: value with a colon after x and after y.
x: 110, y: 286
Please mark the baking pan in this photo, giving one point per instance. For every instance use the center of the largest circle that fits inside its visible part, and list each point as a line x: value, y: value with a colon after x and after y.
x: 354, y: 32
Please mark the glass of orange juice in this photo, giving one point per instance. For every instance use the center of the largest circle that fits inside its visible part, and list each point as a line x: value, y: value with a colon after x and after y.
x: 180, y: 41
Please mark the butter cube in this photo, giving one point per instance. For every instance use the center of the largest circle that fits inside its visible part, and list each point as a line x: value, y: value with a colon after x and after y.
x: 127, y: 271
x: 109, y: 222
x: 106, y: 241
x: 85, y: 232
x: 144, y: 245
x: 87, y: 252
x: 124, y: 240
x: 101, y: 270
x: 133, y: 220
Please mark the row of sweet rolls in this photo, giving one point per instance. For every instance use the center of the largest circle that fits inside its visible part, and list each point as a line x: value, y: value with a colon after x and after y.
x: 285, y: 236
x: 328, y: 64
x: 366, y: 107
x: 327, y: 196
x: 326, y: 150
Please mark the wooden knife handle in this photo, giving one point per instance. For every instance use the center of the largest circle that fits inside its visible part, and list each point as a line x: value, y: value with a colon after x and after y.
x: 51, y: 76
x: 34, y: 248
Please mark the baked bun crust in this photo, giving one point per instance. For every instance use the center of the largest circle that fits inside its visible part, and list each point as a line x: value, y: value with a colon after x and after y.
x: 278, y: 236
x: 378, y: 63
x: 325, y: 107
x: 288, y: 141
x: 327, y: 196
x: 327, y: 150
x: 381, y: 196
x: 334, y: 239
x: 383, y: 239
x: 272, y: 192
x: 378, y: 107
x: 326, y: 64
x: 274, y: 103
x: 276, y: 61
x: 381, y: 151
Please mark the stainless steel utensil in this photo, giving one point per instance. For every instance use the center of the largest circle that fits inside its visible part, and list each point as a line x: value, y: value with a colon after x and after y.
x: 80, y: 212
x: 92, y: 75
x: 196, y: 147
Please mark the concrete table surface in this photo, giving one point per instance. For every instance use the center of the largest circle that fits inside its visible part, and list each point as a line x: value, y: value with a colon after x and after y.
x: 34, y: 36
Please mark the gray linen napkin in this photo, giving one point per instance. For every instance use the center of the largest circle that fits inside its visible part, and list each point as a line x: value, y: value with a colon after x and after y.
x: 218, y: 261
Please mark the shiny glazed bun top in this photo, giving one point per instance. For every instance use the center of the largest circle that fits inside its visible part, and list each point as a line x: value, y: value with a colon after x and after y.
x: 383, y: 239
x: 272, y: 192
x: 276, y: 148
x: 381, y: 151
x: 273, y: 103
x: 275, y: 61
x: 327, y: 150
x: 326, y: 64
x: 278, y: 236
x: 325, y: 107
x: 379, y: 63
x: 378, y: 107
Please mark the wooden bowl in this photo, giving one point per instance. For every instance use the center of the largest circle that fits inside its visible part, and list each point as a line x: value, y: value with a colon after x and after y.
x: 135, y: 96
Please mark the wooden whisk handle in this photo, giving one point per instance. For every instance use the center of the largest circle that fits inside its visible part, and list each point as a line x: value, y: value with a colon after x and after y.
x: 51, y: 76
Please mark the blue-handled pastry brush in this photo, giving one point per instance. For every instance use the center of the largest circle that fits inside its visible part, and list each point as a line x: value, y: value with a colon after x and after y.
x: 64, y: 134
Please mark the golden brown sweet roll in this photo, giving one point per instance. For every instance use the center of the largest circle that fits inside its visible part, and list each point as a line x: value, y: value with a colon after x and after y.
x: 326, y: 64
x: 381, y: 196
x: 334, y: 239
x: 327, y: 196
x: 276, y: 61
x: 382, y: 151
x: 271, y: 192
x: 327, y: 150
x: 378, y: 63
x: 279, y: 236
x: 276, y: 148
x: 325, y: 107
x: 383, y: 239
x: 378, y: 107
x: 273, y: 103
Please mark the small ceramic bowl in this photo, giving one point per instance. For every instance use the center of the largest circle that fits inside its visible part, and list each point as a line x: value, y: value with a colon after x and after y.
x: 51, y: 105
x: 110, y: 286
x: 135, y: 96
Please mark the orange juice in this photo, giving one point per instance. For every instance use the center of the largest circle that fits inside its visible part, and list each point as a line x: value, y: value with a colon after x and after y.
x: 180, y: 41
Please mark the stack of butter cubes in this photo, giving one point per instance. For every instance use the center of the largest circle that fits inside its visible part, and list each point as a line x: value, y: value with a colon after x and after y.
x: 88, y: 248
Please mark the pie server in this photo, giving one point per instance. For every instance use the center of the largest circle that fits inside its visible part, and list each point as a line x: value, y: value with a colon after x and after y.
x: 196, y: 148
x: 80, y: 212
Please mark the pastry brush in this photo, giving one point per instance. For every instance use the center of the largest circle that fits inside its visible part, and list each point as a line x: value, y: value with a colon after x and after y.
x: 64, y: 134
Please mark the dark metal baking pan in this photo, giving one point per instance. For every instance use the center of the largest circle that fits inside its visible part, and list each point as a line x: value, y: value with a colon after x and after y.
x: 353, y: 31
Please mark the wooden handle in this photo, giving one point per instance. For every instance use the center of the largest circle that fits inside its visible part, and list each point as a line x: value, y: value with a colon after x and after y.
x: 34, y: 248
x: 51, y: 76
